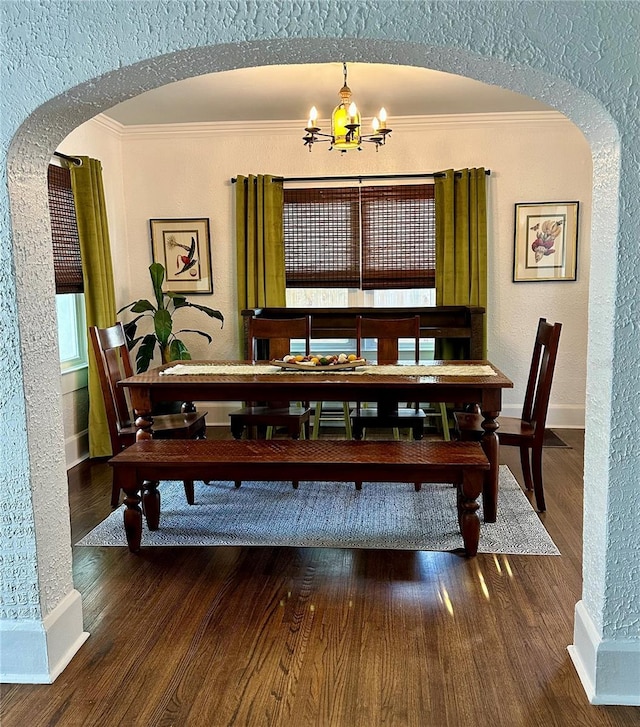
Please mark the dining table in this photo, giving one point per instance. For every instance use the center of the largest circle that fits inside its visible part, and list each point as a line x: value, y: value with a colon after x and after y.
x: 467, y: 383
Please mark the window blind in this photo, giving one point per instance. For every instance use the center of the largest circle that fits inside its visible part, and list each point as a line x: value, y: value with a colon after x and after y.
x: 376, y: 237
x: 67, y: 262
x: 398, y: 237
x: 322, y: 237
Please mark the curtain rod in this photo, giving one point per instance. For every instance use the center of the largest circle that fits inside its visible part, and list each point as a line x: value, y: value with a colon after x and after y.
x: 73, y: 160
x: 360, y: 178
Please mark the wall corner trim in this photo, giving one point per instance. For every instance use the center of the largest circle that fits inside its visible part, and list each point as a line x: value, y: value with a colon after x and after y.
x: 608, y: 669
x: 36, y: 652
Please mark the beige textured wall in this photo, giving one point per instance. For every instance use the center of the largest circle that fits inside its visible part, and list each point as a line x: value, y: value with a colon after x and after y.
x: 185, y: 170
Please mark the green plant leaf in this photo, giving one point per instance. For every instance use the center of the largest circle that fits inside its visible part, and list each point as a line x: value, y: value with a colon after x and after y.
x: 145, y: 352
x: 130, y: 329
x: 170, y: 347
x: 178, y: 351
x: 157, y: 278
x: 163, y: 325
x: 142, y: 306
x: 178, y: 299
x: 200, y: 333
x: 211, y: 312
x: 137, y: 306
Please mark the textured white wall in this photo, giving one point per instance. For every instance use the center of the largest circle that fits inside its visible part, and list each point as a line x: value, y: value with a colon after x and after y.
x: 60, y: 69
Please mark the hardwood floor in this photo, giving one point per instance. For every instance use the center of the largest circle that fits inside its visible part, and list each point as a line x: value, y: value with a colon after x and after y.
x: 332, y: 638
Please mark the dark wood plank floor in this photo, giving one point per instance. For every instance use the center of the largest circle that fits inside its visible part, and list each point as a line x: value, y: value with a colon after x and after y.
x: 332, y: 638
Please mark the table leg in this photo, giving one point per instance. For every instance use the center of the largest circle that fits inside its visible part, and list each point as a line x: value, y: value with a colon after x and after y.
x: 491, y: 448
x: 144, y: 425
x: 141, y: 402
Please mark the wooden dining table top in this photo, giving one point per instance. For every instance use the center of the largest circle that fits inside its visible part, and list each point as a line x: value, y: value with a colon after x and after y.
x: 231, y: 380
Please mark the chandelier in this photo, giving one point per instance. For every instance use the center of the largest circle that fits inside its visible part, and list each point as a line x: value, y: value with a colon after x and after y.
x: 345, y: 125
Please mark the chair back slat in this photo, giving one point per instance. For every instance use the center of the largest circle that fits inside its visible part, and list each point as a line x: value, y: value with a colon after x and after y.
x: 543, y: 361
x: 278, y: 332
x: 114, y: 364
x: 387, y: 333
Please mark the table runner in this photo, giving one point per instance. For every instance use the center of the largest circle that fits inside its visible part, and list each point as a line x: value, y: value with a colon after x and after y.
x: 251, y: 370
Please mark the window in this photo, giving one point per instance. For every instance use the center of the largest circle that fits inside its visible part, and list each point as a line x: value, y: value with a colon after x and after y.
x: 370, y: 246
x: 72, y: 338
x: 365, y: 238
x: 67, y: 265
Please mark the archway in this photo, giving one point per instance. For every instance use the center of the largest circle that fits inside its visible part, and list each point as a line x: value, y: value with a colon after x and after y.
x: 52, y: 121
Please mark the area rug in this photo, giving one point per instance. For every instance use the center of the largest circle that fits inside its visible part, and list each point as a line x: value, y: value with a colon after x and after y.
x: 332, y: 515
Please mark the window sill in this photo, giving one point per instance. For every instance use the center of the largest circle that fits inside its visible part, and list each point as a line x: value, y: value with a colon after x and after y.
x: 74, y: 379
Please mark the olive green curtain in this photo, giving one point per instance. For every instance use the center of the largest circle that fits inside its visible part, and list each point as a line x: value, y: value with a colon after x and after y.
x: 97, y: 271
x: 461, y: 247
x: 260, y: 241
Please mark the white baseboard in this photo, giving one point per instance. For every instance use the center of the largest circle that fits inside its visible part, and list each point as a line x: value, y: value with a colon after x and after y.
x: 218, y: 411
x: 609, y: 670
x: 76, y: 448
x: 36, y: 652
x: 558, y: 417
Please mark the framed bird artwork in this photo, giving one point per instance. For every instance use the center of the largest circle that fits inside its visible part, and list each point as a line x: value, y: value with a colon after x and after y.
x: 545, y: 241
x: 182, y: 246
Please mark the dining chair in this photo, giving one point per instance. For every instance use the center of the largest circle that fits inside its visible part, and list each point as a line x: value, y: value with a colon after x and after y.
x: 526, y: 432
x: 277, y: 333
x: 114, y: 363
x: 331, y: 413
x: 387, y: 333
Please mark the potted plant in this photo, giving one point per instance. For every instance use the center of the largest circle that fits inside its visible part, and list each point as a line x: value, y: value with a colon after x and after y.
x: 163, y: 337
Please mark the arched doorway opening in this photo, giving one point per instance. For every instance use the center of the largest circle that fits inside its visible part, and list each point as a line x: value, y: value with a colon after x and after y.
x: 52, y: 121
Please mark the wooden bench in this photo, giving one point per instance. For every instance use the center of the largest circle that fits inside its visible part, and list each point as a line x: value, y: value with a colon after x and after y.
x: 141, y: 466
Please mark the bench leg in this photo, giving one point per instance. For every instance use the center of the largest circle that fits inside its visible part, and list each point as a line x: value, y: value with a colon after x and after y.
x: 468, y: 492
x: 132, y: 518
x: 115, y: 491
x: 189, y: 492
x: 151, y: 504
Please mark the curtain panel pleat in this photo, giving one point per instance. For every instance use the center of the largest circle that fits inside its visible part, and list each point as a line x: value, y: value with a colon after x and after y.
x: 260, y: 242
x: 99, y: 296
x: 461, y: 247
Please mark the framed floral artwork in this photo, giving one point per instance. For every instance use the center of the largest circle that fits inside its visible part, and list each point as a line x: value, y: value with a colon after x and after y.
x: 183, y: 247
x: 545, y: 241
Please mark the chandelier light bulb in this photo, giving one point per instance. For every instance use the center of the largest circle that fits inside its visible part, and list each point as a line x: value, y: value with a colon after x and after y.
x: 383, y: 118
x: 375, y: 124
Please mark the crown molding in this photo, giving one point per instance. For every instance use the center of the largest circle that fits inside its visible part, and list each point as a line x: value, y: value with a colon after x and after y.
x: 109, y: 124
x: 251, y: 128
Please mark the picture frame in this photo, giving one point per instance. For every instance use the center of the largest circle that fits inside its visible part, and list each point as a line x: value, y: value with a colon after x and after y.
x: 545, y: 241
x: 183, y: 246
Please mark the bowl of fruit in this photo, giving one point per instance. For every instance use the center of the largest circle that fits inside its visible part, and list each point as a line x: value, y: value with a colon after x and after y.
x: 331, y: 362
